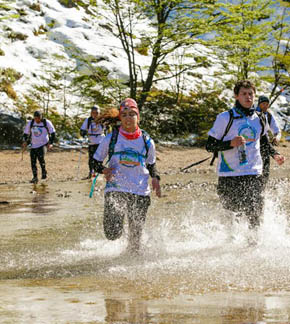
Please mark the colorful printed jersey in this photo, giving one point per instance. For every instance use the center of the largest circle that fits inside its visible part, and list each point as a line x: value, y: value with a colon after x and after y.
x: 250, y: 128
x: 129, y: 163
x: 39, y: 134
x: 95, y: 132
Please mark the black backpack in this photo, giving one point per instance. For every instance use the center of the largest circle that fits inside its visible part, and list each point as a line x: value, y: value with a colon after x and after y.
x: 230, y: 123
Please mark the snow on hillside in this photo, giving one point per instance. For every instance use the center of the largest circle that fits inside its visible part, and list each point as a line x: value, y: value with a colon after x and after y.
x: 52, y: 33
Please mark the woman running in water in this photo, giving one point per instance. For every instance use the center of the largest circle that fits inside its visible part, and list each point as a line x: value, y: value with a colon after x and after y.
x: 131, y: 155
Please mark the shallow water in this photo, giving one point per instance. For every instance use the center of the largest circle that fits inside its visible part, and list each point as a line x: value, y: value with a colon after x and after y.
x: 57, y: 267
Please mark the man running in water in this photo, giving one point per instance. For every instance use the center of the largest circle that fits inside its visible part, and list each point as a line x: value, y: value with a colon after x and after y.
x: 240, y: 165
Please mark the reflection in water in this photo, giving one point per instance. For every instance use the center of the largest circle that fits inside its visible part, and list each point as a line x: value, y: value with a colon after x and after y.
x: 40, y: 199
x: 126, y: 310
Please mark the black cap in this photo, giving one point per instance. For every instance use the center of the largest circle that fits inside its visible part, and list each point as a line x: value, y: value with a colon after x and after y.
x: 263, y: 99
x: 37, y: 113
x: 96, y: 108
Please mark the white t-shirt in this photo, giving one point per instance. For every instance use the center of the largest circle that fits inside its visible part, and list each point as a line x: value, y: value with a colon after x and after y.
x: 95, y: 132
x: 228, y: 161
x: 39, y: 134
x: 129, y: 163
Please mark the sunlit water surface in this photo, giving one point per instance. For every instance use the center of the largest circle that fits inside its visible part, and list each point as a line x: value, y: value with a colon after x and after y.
x: 194, y: 267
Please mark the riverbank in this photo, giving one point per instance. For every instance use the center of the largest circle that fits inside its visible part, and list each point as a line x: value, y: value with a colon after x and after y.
x: 71, y: 165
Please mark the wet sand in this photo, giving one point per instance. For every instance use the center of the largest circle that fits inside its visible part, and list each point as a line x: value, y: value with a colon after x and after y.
x: 69, y: 165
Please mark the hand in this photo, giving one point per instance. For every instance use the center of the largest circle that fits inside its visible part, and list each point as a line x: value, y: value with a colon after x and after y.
x: 156, y: 187
x: 280, y: 159
x: 237, y: 141
x: 49, y: 147
x: 108, y: 172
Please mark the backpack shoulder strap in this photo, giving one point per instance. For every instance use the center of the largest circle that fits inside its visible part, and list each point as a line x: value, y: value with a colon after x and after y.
x: 89, y: 122
x: 229, y: 125
x: 113, y: 142
x: 146, y: 139
x: 263, y: 121
x: 31, y: 123
x: 45, y: 125
x: 269, y: 117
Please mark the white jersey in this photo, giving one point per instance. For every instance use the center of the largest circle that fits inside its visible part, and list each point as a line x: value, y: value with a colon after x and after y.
x: 129, y: 163
x: 95, y: 132
x: 228, y: 161
x: 39, y: 133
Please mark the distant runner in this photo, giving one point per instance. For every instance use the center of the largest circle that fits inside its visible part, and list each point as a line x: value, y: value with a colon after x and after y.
x: 41, y: 134
x: 132, y: 158
x: 236, y: 135
x: 95, y: 132
x: 263, y: 105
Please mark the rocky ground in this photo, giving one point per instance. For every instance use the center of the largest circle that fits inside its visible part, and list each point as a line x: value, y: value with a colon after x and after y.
x: 71, y: 165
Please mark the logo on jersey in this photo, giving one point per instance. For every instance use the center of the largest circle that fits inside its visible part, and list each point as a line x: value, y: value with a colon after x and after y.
x: 37, y: 131
x: 248, y: 132
x: 130, y: 158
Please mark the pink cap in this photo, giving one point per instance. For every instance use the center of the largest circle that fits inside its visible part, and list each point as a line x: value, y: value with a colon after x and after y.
x: 129, y: 103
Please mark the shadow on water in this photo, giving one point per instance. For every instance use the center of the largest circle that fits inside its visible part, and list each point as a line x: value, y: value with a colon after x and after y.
x: 194, y: 264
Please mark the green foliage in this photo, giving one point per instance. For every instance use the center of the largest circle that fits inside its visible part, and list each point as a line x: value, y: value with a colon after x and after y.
x: 40, y: 31
x: 10, y: 75
x: 279, y: 74
x: 165, y: 119
x: 7, y: 77
x: 35, y: 6
x: 16, y: 36
x: 74, y: 3
x: 51, y: 24
x: 143, y: 47
x: 2, y: 53
x: 242, y: 34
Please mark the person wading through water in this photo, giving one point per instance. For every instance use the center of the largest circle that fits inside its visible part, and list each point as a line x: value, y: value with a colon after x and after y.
x: 239, y: 159
x: 95, y: 131
x: 263, y: 106
x: 132, y: 157
x: 41, y: 134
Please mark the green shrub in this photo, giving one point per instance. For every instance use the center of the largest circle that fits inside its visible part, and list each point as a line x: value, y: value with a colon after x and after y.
x: 2, y: 53
x: 17, y: 36
x: 10, y: 75
x: 164, y: 118
x: 6, y: 86
x: 35, y: 7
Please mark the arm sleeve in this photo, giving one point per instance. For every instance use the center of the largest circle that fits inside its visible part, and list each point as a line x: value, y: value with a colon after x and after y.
x: 51, y: 138
x: 26, y: 132
x: 213, y: 145
x: 99, y: 166
x: 153, y: 171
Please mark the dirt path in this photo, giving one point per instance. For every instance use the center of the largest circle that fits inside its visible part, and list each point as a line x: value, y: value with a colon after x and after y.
x: 62, y: 165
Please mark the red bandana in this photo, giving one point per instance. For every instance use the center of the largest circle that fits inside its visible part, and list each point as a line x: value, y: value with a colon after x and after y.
x: 131, y: 136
